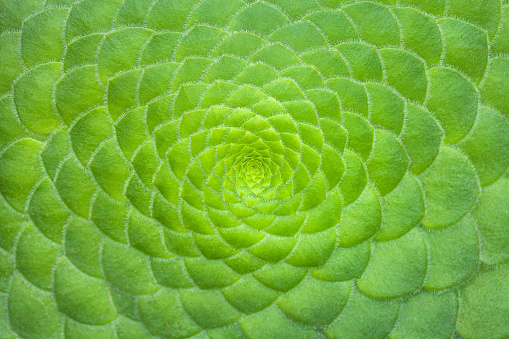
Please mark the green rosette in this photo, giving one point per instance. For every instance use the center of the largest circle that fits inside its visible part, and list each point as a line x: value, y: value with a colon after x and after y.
x: 254, y: 169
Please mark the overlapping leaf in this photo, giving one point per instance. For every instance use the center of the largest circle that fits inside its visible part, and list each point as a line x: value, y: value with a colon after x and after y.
x: 231, y: 169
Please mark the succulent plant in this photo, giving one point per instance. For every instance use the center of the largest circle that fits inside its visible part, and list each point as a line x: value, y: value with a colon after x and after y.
x: 254, y: 169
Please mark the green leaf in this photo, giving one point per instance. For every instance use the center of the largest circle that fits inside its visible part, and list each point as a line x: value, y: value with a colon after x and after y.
x: 242, y: 169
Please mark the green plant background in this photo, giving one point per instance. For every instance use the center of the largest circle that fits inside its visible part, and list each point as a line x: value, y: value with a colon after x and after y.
x: 269, y: 169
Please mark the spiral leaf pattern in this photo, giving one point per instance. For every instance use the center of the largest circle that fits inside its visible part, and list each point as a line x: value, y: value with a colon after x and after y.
x: 254, y: 169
